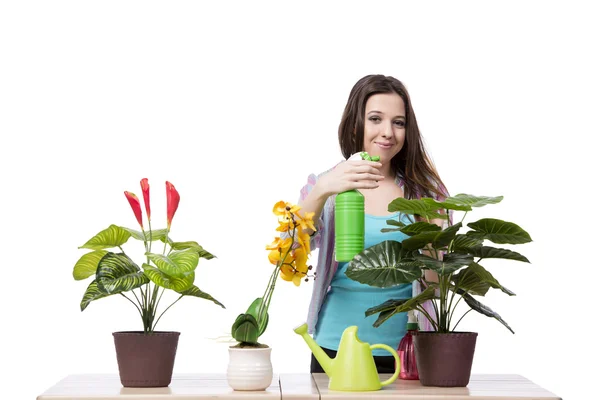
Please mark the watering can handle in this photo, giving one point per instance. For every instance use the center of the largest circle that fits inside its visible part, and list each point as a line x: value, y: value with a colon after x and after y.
x: 395, y: 354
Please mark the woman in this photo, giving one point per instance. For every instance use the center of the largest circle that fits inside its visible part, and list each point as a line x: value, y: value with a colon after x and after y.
x: 378, y: 119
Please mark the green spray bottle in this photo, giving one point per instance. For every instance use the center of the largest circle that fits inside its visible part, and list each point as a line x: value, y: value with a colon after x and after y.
x: 350, y: 221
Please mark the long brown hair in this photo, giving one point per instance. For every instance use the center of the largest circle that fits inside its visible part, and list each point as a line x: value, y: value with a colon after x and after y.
x: 412, y: 163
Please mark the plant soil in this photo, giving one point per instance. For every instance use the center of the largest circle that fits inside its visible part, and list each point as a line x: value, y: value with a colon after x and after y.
x: 250, y: 346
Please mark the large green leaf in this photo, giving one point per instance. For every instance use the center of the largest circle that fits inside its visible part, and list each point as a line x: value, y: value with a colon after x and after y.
x: 88, y: 264
x: 420, y: 227
x: 450, y: 263
x: 467, y: 280
x: 492, y: 252
x: 498, y: 231
x: 92, y: 293
x: 485, y: 310
x: 245, y: 329
x: 254, y: 310
x: 178, y: 263
x: 157, y: 234
x: 192, y: 245
x: 464, y: 243
x: 438, y: 239
x: 441, y: 204
x: 465, y: 202
x: 178, y: 284
x: 475, y: 275
x: 113, y: 236
x: 117, y: 273
x: 195, y: 292
x: 392, y: 307
x: 382, y: 266
x: 415, y: 206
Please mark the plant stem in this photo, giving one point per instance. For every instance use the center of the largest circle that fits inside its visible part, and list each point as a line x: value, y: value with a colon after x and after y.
x: 140, y: 311
x: 454, y: 308
x: 179, y: 298
x: 426, y: 314
x: 166, y: 240
x: 150, y: 243
x: 468, y: 311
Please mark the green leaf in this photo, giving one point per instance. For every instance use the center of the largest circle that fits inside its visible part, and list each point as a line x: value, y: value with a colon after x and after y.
x: 432, y: 203
x: 415, y: 206
x: 113, y: 236
x: 420, y: 227
x: 437, y: 239
x: 476, y: 273
x: 117, y: 273
x: 382, y: 266
x: 492, y: 252
x: 195, y: 292
x: 192, y: 245
x: 464, y: 243
x: 254, y: 310
x: 392, y: 307
x: 485, y: 310
x: 395, y: 223
x: 245, y: 329
x: 178, y: 263
x: 178, y: 284
x: 158, y: 234
x: 88, y: 264
x: 498, y: 231
x: 465, y: 202
x: 92, y: 293
x: 467, y: 280
x: 450, y: 263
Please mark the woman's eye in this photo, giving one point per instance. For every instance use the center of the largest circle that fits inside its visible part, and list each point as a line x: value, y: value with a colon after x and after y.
x: 374, y: 119
x: 400, y: 123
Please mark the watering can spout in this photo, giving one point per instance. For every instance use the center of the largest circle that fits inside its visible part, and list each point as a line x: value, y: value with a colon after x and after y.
x: 324, y: 360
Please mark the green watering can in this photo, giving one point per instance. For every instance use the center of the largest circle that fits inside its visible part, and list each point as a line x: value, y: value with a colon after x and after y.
x: 353, y: 369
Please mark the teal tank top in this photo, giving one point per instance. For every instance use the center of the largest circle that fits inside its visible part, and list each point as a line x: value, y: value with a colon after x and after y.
x: 347, y: 300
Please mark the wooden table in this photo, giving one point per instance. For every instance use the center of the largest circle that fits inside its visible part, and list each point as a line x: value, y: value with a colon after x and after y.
x: 290, y: 386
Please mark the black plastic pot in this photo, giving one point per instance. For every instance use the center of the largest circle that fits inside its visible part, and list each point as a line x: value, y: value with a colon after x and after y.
x: 445, y: 359
x: 146, y: 360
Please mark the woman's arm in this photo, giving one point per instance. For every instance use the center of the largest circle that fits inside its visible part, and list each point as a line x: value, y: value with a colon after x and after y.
x: 347, y: 175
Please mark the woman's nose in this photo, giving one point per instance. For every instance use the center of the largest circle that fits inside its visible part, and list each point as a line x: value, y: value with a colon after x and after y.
x: 387, y: 131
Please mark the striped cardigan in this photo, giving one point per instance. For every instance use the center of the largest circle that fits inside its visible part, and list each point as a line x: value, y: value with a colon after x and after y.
x: 324, y: 240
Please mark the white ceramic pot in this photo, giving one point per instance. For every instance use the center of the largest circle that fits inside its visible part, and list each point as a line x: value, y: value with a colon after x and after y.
x: 249, y: 368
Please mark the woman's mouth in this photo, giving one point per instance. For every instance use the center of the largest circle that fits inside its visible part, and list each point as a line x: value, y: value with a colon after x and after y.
x: 384, y: 146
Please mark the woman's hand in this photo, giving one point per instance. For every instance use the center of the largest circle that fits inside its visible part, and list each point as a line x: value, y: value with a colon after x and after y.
x: 350, y: 174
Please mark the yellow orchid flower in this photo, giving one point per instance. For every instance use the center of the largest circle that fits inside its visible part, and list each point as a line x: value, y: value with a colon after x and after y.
x: 285, y: 224
x: 304, y: 240
x: 275, y: 257
x: 297, y: 271
x: 280, y: 244
x: 282, y: 208
x: 306, y: 221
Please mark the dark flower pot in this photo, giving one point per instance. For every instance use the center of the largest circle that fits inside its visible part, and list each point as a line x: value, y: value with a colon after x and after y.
x: 146, y: 360
x: 445, y: 359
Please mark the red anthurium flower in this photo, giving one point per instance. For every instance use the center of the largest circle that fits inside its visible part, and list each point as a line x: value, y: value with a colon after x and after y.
x: 172, y: 203
x: 146, y: 193
x: 134, y: 202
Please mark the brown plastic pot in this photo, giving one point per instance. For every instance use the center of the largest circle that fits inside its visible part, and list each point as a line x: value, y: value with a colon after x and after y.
x: 445, y: 359
x: 146, y: 360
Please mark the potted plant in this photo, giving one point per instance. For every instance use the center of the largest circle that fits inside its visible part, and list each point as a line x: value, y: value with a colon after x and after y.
x: 145, y: 358
x: 250, y: 365
x: 444, y: 356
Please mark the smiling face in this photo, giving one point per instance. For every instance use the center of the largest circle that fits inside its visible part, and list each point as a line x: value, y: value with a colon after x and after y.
x: 385, y: 122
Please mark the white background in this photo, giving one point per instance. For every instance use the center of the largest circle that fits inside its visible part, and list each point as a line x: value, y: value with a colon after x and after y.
x: 95, y: 96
